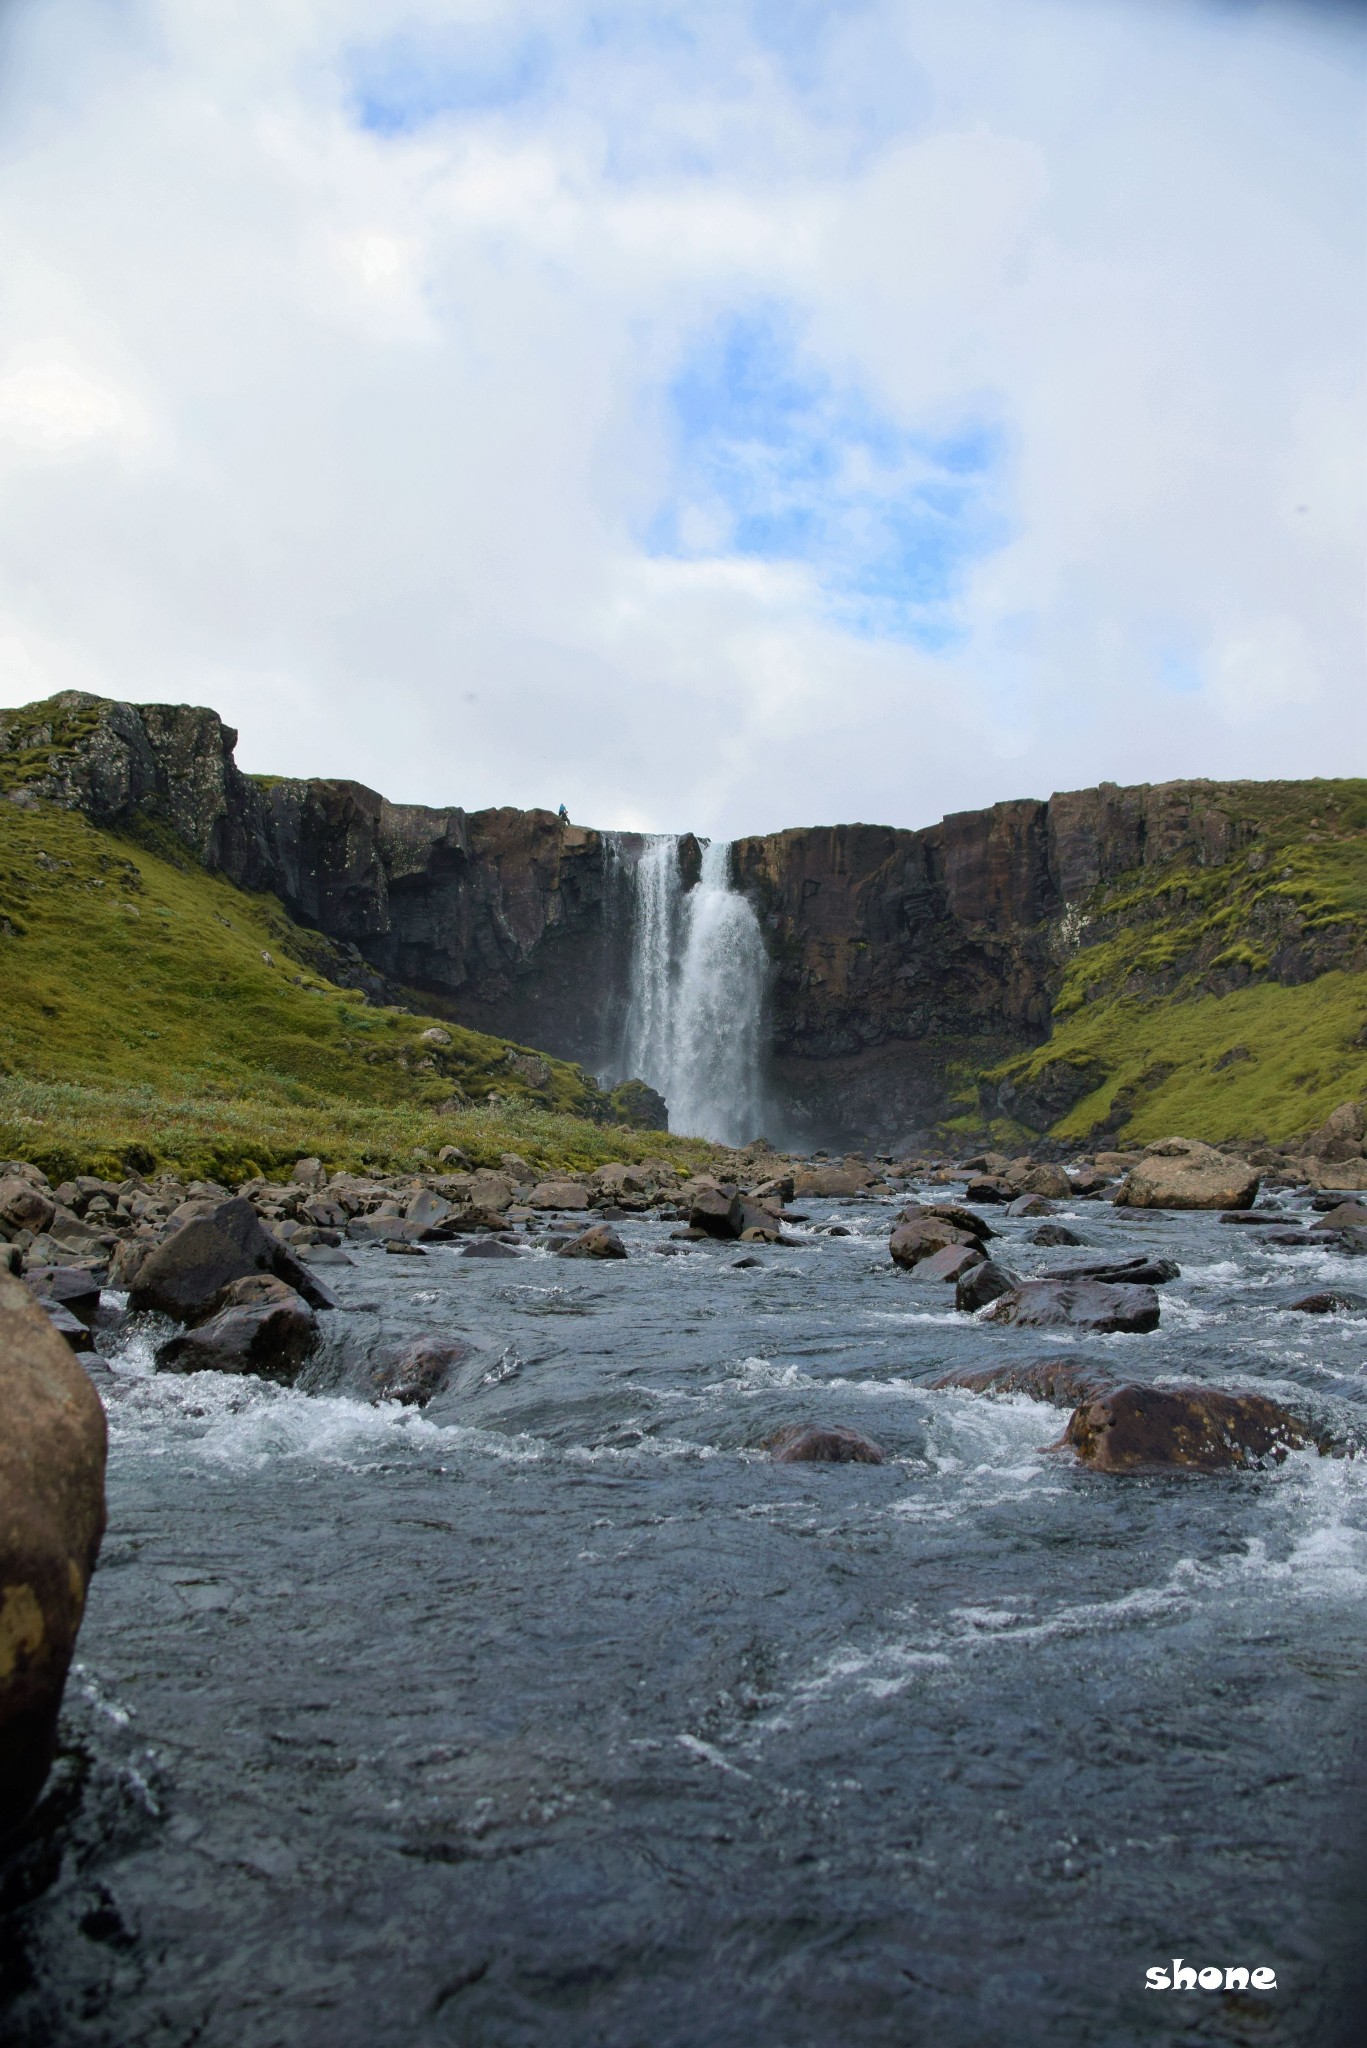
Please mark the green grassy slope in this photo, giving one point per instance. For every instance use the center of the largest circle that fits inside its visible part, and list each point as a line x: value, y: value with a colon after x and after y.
x: 1227, y: 1001
x: 150, y: 1014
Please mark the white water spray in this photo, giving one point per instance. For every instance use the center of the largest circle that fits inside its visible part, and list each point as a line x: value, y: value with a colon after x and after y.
x: 698, y: 971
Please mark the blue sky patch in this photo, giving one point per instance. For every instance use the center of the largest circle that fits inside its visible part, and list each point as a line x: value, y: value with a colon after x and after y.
x: 776, y: 461
x: 405, y: 81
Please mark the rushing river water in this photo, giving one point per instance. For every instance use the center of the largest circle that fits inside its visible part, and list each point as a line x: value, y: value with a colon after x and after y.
x: 557, y: 1715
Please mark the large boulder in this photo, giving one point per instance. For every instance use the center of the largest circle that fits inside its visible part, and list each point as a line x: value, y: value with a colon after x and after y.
x: 1143, y: 1270
x: 1182, y: 1173
x: 831, y: 1182
x: 1063, y: 1382
x: 559, y: 1194
x: 599, y: 1242
x: 1050, y: 1181
x: 1076, y: 1305
x: 24, y: 1206
x: 1136, y: 1429
x: 910, y: 1243
x: 806, y: 1443
x: 52, y: 1515
x: 980, y: 1284
x: 949, y: 1212
x: 1341, y: 1134
x: 187, y: 1276
x: 264, y: 1327
x: 950, y: 1263
x: 719, y: 1212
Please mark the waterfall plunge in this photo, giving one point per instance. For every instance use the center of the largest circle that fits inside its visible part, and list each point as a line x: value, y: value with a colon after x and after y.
x: 698, y: 970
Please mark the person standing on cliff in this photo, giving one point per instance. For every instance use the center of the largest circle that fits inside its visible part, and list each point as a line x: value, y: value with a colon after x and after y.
x: 563, y: 815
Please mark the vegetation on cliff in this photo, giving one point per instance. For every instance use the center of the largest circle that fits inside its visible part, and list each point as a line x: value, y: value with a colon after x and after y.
x: 1226, y: 1001
x: 152, y: 1014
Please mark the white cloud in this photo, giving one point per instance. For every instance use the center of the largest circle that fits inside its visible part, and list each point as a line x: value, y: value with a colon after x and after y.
x: 398, y: 402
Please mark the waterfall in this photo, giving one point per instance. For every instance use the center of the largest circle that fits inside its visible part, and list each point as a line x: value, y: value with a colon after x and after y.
x: 698, y: 972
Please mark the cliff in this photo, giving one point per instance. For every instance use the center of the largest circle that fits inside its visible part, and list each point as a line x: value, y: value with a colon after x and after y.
x: 905, y: 964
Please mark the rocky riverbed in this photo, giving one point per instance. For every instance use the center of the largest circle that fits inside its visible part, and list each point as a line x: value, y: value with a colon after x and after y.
x: 544, y: 1696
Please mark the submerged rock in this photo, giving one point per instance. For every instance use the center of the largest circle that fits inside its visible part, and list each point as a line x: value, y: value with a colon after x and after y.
x: 1077, y: 1305
x: 1063, y: 1382
x: 264, y: 1327
x: 1332, y: 1301
x: 1181, y: 1173
x: 187, y: 1275
x: 489, y: 1248
x: 1134, y: 1429
x: 599, y: 1242
x: 1143, y: 1270
x: 52, y: 1516
x: 420, y: 1371
x: 807, y: 1443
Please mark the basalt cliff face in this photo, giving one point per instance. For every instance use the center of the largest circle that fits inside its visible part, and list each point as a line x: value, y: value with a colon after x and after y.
x: 903, y: 963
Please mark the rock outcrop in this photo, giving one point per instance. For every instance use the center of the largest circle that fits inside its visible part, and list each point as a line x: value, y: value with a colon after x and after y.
x: 52, y: 1515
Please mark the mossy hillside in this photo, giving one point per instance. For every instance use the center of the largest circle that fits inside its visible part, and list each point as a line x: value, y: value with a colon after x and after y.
x: 147, y: 1005
x: 1225, y: 1001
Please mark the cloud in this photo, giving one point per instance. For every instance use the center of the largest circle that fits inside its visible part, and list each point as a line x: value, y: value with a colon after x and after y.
x: 719, y: 417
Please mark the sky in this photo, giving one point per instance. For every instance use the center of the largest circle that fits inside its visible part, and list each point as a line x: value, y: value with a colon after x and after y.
x: 714, y: 416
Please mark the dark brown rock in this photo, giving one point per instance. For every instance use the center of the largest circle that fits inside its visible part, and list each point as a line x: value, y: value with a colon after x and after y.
x: 188, y: 1274
x: 981, y: 1284
x: 600, y: 1242
x: 1063, y: 1382
x: 420, y: 1371
x: 52, y: 1516
x: 1054, y: 1234
x: 911, y: 1243
x: 811, y: 1444
x: 1332, y: 1301
x: 951, y: 1263
x: 717, y: 1211
x: 988, y: 1190
x: 1137, y: 1429
x: 489, y: 1248
x: 1077, y: 1305
x: 1143, y: 1270
x: 264, y: 1328
x: 949, y: 1212
x: 75, y: 1287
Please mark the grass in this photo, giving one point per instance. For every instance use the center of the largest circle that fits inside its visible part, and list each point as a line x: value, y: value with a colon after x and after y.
x: 1226, y: 1001
x: 153, y: 1015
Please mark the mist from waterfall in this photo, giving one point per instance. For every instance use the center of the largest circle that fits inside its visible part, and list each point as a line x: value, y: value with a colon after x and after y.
x: 698, y: 972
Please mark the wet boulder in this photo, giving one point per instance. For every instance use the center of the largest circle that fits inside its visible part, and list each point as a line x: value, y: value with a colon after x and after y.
x: 74, y: 1287
x: 1181, y: 1173
x: 1030, y: 1205
x: 263, y: 1327
x: 1077, y: 1305
x: 987, y: 1188
x: 831, y: 1182
x: 949, y: 1212
x: 1343, y: 1216
x: 950, y: 1263
x: 1202, y: 1429
x: 911, y: 1243
x: 69, y: 1327
x: 1330, y: 1302
x: 1048, y: 1181
x: 1143, y: 1270
x: 806, y: 1443
x: 599, y: 1242
x: 52, y: 1516
x: 1053, y: 1235
x: 187, y: 1275
x: 489, y: 1248
x: 425, y: 1214
x: 981, y: 1284
x: 420, y: 1371
x: 1062, y: 1382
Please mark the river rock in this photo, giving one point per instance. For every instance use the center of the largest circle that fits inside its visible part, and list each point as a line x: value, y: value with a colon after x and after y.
x: 949, y: 1212
x: 420, y: 1371
x: 1340, y: 1136
x: 52, y: 1516
x: 981, y: 1284
x: 489, y: 1248
x: 1135, y: 1429
x: 831, y: 1182
x: 1063, y: 1382
x: 911, y: 1243
x: 989, y: 1189
x: 264, y: 1327
x: 1181, y: 1173
x: 1076, y: 1305
x: 69, y: 1328
x: 559, y: 1194
x: 717, y: 1211
x: 806, y: 1443
x: 1332, y: 1301
x: 426, y: 1213
x: 1143, y: 1270
x: 1343, y: 1216
x: 1052, y: 1235
x: 187, y: 1275
x: 309, y: 1173
x: 1030, y: 1205
x: 599, y: 1242
x: 24, y: 1206
x: 1049, y: 1181
x: 75, y: 1287
x: 949, y: 1263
